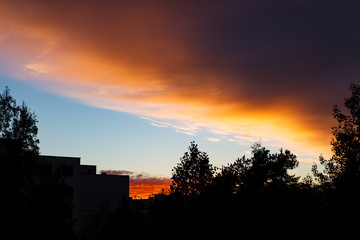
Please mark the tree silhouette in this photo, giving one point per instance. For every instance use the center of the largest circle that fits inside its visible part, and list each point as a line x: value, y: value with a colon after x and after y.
x: 17, y: 122
x: 258, y: 195
x: 34, y: 202
x: 19, y: 155
x: 343, y: 168
x: 339, y: 186
x: 193, y: 174
x: 262, y: 171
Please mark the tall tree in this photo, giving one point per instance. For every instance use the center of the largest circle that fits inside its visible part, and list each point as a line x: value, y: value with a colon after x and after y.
x: 193, y: 174
x: 34, y: 201
x: 343, y: 168
x: 19, y: 144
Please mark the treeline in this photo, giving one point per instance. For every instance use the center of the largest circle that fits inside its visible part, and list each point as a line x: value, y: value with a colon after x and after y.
x: 253, y: 197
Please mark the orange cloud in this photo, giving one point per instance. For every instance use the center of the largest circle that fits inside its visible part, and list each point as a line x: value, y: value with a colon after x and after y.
x: 189, y: 66
x: 138, y: 191
x: 142, y: 185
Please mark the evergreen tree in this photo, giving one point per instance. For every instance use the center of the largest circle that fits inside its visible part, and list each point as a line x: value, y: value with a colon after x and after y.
x: 193, y: 174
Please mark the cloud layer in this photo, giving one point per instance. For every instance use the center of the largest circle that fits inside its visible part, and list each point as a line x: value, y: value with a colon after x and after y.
x: 249, y: 69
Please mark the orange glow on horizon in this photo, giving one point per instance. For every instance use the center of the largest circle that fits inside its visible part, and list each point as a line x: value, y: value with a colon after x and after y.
x: 138, y: 191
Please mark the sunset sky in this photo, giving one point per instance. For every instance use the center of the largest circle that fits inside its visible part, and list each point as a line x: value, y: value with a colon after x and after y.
x: 127, y: 85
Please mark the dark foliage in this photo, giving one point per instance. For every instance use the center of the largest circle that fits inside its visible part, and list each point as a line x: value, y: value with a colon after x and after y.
x: 232, y: 201
x: 251, y: 196
x: 258, y: 197
x: 262, y: 172
x: 340, y: 179
x: 255, y: 196
x: 35, y: 202
x: 344, y: 166
x: 193, y: 174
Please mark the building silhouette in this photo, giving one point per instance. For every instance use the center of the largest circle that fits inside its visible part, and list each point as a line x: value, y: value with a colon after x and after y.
x: 90, y: 190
